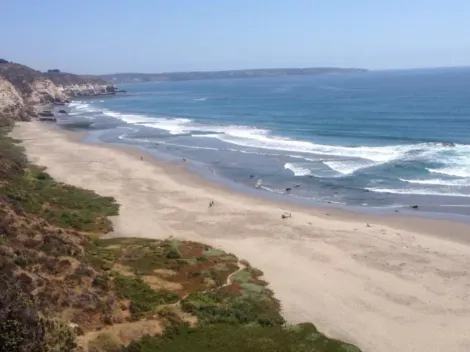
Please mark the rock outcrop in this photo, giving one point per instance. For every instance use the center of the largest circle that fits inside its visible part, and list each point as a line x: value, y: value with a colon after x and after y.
x: 22, y: 89
x: 75, y: 85
x: 12, y: 105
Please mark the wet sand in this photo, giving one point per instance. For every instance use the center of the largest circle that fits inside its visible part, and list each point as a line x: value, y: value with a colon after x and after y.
x: 384, y: 283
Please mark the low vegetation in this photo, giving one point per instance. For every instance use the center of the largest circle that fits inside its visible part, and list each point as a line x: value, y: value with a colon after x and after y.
x: 248, y: 338
x: 63, y: 288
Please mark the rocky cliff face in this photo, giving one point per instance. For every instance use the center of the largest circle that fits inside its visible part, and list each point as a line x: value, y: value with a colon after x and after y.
x: 22, y: 89
x: 43, y: 91
x: 75, y: 85
x: 12, y: 105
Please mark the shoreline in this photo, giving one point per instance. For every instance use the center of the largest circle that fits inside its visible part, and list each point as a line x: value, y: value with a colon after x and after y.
x: 406, y: 219
x: 384, y: 288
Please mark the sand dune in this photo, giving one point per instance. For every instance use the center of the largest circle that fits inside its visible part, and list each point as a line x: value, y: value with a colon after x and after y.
x: 399, y: 285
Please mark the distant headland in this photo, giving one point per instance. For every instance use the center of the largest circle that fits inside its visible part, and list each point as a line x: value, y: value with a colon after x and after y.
x: 202, y: 75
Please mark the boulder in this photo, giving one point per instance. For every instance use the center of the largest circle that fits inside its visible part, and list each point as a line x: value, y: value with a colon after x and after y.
x: 48, y: 119
x: 46, y: 113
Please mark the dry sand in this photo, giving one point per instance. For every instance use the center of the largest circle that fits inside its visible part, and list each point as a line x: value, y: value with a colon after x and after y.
x: 399, y: 285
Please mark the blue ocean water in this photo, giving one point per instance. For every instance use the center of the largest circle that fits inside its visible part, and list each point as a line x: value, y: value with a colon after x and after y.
x: 380, y: 139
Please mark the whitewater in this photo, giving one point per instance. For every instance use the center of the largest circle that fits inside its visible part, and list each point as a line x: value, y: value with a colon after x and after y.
x: 335, y: 145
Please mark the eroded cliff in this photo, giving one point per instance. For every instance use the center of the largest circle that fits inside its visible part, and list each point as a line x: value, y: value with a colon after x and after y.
x: 23, y: 89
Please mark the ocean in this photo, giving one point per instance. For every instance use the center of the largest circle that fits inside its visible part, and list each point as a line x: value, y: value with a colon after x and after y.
x: 376, y: 140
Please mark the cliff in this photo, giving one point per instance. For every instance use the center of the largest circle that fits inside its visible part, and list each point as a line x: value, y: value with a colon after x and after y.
x: 11, y: 102
x: 76, y: 85
x: 23, y: 88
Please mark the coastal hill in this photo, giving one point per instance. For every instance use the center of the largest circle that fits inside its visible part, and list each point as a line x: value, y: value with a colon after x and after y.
x: 187, y: 76
x: 22, y: 88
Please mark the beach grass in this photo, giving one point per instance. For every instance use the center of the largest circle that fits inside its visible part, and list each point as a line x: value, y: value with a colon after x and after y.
x: 248, y: 338
x: 143, y: 298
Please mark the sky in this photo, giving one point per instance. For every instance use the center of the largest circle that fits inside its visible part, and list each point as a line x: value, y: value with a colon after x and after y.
x: 109, y: 36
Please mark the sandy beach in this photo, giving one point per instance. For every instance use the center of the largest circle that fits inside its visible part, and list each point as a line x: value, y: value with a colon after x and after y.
x: 384, y: 284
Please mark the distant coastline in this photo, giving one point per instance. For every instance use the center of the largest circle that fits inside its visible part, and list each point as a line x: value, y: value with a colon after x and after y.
x: 202, y: 75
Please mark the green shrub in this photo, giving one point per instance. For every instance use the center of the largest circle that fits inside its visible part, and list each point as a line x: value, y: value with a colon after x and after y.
x: 216, y: 307
x: 59, y: 337
x: 23, y: 329
x: 43, y: 176
x: 173, y: 254
x: 29, y: 187
x: 143, y: 298
x: 104, y: 343
x: 229, y: 338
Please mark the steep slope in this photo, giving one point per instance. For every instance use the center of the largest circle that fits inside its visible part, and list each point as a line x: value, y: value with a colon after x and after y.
x: 12, y: 105
x: 72, y: 84
x: 22, y: 88
x: 34, y: 87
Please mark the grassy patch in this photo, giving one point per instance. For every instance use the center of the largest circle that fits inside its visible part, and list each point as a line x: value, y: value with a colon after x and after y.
x: 143, y: 298
x: 221, y: 267
x: 105, y: 343
x: 242, y: 276
x: 252, y: 288
x: 29, y: 187
x: 217, y: 307
x: 67, y: 206
x: 143, y: 257
x: 229, y: 338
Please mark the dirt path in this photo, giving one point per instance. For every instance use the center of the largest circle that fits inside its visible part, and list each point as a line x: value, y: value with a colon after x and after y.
x: 227, y: 283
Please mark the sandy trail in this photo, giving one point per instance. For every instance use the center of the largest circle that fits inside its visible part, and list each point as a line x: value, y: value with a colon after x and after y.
x: 386, y: 288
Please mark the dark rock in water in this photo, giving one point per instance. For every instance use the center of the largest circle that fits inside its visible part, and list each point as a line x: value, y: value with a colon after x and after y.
x: 62, y: 112
x: 48, y: 119
x: 414, y: 207
x: 397, y: 211
x: 251, y: 176
x: 288, y: 189
x: 310, y: 176
x: 46, y: 113
x: 67, y: 101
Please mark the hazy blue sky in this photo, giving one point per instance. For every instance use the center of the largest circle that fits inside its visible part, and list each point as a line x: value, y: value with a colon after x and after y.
x: 107, y: 36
